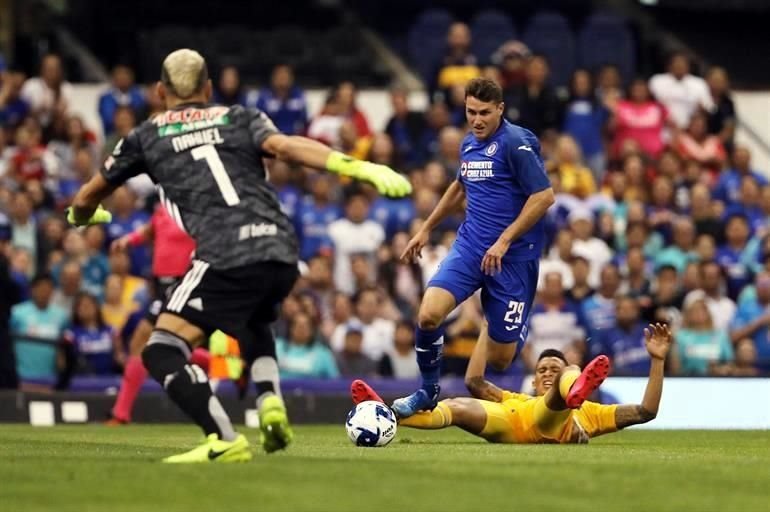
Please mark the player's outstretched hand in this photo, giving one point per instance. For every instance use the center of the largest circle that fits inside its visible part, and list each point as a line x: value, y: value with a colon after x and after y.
x: 657, y: 339
x: 387, y: 181
x: 414, y: 247
x: 100, y: 216
x: 493, y: 258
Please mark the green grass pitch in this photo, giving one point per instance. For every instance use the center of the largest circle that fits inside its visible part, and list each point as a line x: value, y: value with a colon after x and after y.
x: 95, y: 468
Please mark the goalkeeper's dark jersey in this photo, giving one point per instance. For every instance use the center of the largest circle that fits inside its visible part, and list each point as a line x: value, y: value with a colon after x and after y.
x: 206, y: 161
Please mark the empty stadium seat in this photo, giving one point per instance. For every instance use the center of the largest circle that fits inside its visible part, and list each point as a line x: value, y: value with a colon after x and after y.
x: 427, y: 40
x: 607, y: 39
x: 549, y: 33
x: 490, y: 29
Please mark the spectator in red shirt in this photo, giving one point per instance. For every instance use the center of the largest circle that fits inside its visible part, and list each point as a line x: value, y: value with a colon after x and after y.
x: 639, y: 118
x: 696, y: 144
x: 346, y: 100
x: 31, y: 161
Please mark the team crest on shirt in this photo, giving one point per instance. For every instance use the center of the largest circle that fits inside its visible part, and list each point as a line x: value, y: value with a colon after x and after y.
x: 491, y: 149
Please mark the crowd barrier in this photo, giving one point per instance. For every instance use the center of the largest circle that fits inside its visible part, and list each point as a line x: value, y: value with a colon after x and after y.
x: 688, y: 403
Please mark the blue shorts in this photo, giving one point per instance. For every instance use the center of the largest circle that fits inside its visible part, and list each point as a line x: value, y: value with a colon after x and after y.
x: 506, y: 297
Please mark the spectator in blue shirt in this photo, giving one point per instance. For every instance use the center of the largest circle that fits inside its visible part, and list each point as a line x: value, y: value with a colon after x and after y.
x: 280, y: 177
x: 599, y: 309
x: 302, y: 354
x: 126, y: 218
x: 731, y: 256
x: 13, y: 108
x: 749, y: 204
x: 728, y: 187
x: 752, y: 320
x: 96, y: 346
x: 624, y: 342
x: 229, y: 90
x: 314, y: 214
x: 682, y: 251
x: 122, y: 92
x: 701, y: 347
x: 284, y: 102
x: 584, y: 119
x: 405, y: 128
x: 36, y: 328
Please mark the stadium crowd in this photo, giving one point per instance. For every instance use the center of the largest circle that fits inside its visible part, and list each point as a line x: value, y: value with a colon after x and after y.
x: 660, y: 216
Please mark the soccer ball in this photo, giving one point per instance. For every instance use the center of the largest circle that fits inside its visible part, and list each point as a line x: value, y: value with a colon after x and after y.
x: 371, y: 423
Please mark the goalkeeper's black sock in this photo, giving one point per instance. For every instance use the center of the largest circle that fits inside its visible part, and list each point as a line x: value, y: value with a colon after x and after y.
x: 166, y: 359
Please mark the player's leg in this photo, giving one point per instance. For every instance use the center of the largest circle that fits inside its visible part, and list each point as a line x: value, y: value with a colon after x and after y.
x: 507, y: 299
x: 570, y: 389
x: 134, y: 374
x: 489, y: 420
x: 206, y: 299
x: 260, y: 357
x: 458, y: 277
x: 465, y: 413
x: 166, y: 358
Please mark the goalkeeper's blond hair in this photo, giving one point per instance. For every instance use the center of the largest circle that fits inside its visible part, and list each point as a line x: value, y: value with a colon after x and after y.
x: 184, y: 73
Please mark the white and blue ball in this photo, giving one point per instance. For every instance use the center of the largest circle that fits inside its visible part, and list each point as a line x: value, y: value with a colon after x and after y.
x: 371, y: 423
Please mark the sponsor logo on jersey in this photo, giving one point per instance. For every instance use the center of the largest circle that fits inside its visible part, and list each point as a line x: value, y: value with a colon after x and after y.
x: 257, y: 230
x: 491, y: 149
x: 174, y: 122
x: 525, y: 147
x: 477, y: 170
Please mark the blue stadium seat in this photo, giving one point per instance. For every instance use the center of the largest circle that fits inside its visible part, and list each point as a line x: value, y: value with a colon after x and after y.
x: 490, y: 29
x: 549, y: 34
x: 427, y: 40
x: 607, y: 39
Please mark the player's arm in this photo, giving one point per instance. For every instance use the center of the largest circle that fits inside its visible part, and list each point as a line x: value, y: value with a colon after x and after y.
x: 126, y: 161
x: 85, y: 207
x: 530, y: 172
x: 657, y: 339
x: 138, y: 236
x: 449, y: 203
x: 478, y: 386
x: 311, y: 153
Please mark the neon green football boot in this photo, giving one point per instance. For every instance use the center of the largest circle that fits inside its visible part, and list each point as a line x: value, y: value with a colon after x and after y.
x: 214, y: 450
x: 275, y: 431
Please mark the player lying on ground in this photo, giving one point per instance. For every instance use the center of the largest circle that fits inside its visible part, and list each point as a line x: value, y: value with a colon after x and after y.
x: 560, y: 413
x: 207, y: 161
x: 503, y: 182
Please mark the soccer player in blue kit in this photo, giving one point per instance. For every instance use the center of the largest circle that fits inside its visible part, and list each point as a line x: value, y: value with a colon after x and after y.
x: 497, y: 247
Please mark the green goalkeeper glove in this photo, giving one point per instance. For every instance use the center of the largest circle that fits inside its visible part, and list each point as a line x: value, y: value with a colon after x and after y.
x: 387, y: 181
x: 100, y: 216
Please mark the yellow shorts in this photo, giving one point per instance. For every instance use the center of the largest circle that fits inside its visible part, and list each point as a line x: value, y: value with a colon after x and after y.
x: 523, y: 421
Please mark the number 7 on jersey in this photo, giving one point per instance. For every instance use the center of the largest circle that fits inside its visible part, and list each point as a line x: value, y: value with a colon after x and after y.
x: 210, y: 155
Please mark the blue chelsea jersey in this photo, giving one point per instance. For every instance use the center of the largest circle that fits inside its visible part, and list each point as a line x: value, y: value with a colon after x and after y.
x: 499, y: 174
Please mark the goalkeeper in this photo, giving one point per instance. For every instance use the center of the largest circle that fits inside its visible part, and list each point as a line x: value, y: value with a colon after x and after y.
x: 560, y: 413
x: 207, y: 161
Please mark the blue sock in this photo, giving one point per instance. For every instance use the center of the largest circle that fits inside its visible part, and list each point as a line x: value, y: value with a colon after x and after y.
x: 429, y: 346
